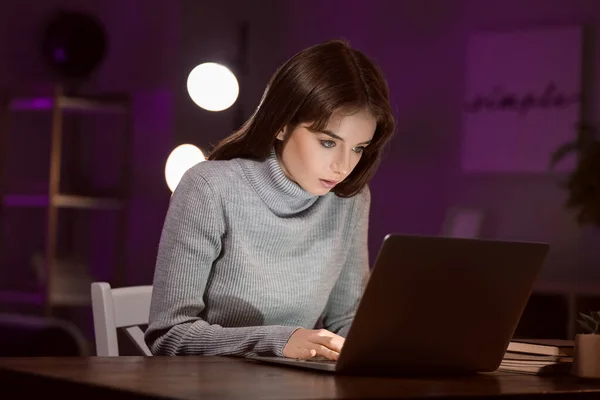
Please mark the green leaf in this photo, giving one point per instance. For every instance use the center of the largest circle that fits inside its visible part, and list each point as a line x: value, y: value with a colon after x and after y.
x: 585, y: 326
x: 587, y: 318
x: 594, y: 315
x: 561, y: 152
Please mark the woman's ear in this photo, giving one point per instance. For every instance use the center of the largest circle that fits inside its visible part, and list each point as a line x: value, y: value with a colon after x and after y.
x: 281, y: 135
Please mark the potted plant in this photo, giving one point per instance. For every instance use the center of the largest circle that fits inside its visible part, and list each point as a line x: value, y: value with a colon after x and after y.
x: 583, y: 189
x: 586, y: 360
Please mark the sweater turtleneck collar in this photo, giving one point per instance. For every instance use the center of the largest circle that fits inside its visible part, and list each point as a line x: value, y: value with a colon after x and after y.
x: 282, y: 195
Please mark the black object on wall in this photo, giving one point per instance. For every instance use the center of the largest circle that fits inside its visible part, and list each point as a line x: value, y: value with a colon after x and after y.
x: 74, y: 44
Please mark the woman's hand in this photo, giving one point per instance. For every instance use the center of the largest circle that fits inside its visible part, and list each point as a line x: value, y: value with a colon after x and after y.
x: 308, y: 343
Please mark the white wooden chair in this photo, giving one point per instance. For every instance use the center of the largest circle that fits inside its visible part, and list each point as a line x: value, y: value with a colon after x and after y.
x: 112, y: 309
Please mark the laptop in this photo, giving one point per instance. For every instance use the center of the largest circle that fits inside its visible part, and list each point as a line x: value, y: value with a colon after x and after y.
x: 435, y: 304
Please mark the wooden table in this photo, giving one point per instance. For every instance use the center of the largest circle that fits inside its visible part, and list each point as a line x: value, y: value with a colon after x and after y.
x: 115, y: 378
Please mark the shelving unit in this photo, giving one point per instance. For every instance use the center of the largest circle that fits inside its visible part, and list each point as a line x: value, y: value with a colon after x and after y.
x: 576, y: 295
x: 57, y: 103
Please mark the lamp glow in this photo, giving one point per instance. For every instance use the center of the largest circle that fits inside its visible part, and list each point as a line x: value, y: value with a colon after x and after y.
x: 182, y: 158
x: 212, y: 86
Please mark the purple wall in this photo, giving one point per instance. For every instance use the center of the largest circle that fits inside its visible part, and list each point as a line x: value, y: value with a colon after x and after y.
x: 421, y: 46
x: 155, y: 43
x: 423, y: 54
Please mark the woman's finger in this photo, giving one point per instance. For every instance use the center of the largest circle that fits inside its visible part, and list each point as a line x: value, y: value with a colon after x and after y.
x: 326, y: 352
x: 303, y: 353
x: 333, y: 342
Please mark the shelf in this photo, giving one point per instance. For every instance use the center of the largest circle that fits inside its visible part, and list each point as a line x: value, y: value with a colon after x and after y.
x: 72, y: 201
x: 70, y: 286
x: 62, y: 201
x: 68, y: 103
x: 63, y: 282
x: 567, y: 288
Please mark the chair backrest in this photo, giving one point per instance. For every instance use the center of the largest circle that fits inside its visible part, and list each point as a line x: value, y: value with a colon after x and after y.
x: 120, y: 308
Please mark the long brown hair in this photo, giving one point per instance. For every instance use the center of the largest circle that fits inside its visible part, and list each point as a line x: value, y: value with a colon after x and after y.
x: 310, y: 87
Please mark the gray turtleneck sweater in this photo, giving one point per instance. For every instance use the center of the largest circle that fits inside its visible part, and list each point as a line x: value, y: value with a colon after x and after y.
x: 247, y: 256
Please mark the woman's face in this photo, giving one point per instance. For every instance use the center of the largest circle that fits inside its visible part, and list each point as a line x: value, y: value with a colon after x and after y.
x: 317, y: 161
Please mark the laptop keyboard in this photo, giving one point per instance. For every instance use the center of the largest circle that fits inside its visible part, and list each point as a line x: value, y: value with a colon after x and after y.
x: 321, y: 360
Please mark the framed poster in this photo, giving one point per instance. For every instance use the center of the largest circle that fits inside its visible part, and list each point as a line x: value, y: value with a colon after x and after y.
x: 522, y: 99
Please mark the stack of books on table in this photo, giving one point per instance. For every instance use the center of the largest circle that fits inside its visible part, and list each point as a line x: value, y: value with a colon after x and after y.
x: 538, y: 356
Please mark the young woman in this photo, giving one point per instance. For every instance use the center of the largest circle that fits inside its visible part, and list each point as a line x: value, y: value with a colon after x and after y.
x: 267, y: 239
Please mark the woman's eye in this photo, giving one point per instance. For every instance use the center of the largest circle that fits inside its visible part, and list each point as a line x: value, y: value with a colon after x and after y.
x: 327, y: 143
x: 359, y: 149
